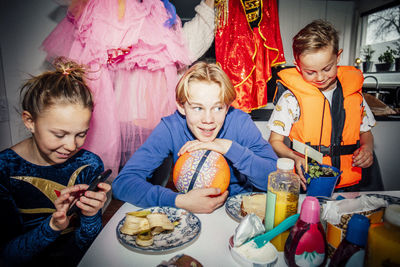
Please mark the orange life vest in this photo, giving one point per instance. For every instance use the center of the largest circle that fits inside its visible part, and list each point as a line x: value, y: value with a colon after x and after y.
x: 314, y: 126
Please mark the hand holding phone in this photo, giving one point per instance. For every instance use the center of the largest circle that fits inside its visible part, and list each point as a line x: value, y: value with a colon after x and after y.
x: 92, y: 187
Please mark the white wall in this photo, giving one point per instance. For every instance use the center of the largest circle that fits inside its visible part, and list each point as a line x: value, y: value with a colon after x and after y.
x: 5, y: 136
x: 295, y: 14
x: 387, y: 147
x: 24, y: 25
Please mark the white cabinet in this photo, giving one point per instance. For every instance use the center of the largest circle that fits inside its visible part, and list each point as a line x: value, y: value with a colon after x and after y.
x: 387, y: 150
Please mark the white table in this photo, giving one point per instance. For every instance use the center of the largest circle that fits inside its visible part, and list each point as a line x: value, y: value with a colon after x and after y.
x: 210, y: 248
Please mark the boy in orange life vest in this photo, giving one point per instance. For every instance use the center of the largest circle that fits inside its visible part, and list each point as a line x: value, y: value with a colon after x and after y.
x: 321, y: 104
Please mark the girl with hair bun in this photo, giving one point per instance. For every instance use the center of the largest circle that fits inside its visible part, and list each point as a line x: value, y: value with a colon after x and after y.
x: 41, y: 176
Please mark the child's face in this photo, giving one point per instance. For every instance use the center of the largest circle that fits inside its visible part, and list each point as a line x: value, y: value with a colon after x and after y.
x: 59, y: 132
x: 205, y: 111
x: 319, y: 68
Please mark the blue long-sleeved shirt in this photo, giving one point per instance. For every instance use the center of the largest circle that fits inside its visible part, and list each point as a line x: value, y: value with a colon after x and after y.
x: 250, y: 159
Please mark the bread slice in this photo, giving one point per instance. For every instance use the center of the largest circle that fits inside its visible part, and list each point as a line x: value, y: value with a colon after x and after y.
x: 254, y: 203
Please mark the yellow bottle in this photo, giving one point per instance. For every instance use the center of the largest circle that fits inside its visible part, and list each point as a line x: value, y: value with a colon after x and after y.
x: 383, y: 247
x: 282, y: 198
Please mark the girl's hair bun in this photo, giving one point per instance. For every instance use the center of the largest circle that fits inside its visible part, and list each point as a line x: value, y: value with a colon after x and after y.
x: 68, y: 67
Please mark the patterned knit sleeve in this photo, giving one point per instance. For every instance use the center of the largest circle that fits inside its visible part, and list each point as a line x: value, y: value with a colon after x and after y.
x: 17, y: 247
x: 91, y: 226
x: 88, y: 231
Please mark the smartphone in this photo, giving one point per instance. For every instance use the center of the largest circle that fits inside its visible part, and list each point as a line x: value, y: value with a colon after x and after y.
x: 92, y: 187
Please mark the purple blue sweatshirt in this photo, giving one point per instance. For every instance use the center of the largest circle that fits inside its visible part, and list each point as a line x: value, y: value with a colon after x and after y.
x: 250, y: 158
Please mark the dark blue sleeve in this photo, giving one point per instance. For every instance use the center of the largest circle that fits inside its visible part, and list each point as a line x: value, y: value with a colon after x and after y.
x: 131, y: 184
x: 18, y: 247
x: 91, y: 226
x: 251, y: 154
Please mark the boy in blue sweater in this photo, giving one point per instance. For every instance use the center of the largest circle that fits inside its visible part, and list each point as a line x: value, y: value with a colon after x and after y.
x: 204, y: 120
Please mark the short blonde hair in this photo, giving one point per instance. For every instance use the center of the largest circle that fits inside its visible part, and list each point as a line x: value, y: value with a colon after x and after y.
x: 316, y: 35
x: 205, y: 72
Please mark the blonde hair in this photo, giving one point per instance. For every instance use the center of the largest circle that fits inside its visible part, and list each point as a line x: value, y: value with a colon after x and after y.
x: 64, y: 85
x: 205, y: 72
x: 316, y: 35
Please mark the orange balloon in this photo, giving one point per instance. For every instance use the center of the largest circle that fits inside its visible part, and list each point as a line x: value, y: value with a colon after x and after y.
x: 201, y: 169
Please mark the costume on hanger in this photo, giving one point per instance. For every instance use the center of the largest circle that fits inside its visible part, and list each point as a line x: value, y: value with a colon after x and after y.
x: 247, y: 44
x: 135, y: 50
x: 27, y: 195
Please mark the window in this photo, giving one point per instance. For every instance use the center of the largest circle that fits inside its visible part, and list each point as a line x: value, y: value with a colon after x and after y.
x: 383, y: 26
x: 379, y: 38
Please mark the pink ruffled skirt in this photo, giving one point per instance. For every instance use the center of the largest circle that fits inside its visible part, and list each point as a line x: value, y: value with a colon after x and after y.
x: 133, y: 71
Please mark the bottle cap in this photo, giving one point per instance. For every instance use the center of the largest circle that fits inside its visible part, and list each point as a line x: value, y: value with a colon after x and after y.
x: 310, y: 210
x: 392, y: 214
x: 285, y: 164
x: 357, y: 230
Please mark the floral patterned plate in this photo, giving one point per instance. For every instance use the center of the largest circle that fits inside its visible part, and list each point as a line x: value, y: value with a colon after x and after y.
x: 232, y: 205
x: 389, y: 199
x: 183, y: 235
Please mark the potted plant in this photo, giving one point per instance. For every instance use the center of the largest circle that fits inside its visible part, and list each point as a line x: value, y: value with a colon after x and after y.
x: 321, y: 179
x: 397, y: 59
x: 386, y: 60
x: 367, y: 63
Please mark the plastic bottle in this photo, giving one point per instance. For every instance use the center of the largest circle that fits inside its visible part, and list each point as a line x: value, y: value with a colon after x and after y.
x: 306, y: 244
x: 383, y: 247
x: 282, y: 198
x: 351, y: 251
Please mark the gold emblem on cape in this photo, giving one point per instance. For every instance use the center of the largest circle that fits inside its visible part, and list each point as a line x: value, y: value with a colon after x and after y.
x: 49, y: 188
x: 252, y: 9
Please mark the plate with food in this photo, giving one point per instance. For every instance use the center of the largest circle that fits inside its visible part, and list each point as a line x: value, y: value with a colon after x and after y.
x: 390, y: 199
x: 158, y: 230
x: 238, y: 206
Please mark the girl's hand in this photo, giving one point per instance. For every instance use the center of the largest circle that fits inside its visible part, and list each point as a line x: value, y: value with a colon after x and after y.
x: 218, y: 145
x: 59, y: 220
x: 91, y: 202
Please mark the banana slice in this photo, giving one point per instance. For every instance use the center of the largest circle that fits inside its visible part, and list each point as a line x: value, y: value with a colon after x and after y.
x: 145, y: 225
x: 135, y: 225
x: 145, y: 239
x: 160, y: 221
x: 140, y: 213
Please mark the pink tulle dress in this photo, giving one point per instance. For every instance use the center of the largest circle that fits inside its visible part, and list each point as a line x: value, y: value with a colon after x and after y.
x: 134, y: 61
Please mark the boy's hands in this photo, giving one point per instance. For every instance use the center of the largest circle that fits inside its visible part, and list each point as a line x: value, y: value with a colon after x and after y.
x: 299, y: 162
x: 218, y: 145
x: 204, y: 200
x: 363, y: 157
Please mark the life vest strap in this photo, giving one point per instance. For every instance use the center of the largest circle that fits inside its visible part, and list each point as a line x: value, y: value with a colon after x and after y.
x: 336, y: 150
